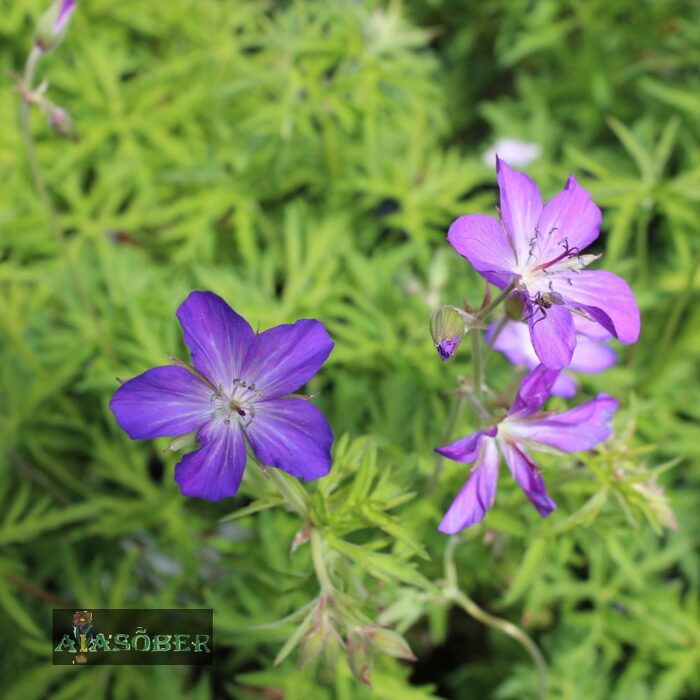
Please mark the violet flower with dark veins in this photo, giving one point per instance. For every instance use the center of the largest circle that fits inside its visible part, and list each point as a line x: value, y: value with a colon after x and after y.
x: 524, y: 428
x: 238, y: 395
x: 538, y: 247
x: 591, y: 354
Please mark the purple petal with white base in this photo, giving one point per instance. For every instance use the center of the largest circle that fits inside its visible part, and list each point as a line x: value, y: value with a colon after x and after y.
x: 286, y: 357
x: 553, y: 335
x: 218, y: 338
x: 467, y: 448
x: 483, y: 241
x: 528, y: 476
x: 477, y: 495
x: 215, y: 470
x: 161, y: 402
x: 570, y: 217
x: 540, y: 253
x: 521, y: 206
x: 608, y: 299
x: 581, y: 428
x: 292, y: 435
x: 237, y: 398
x: 535, y: 389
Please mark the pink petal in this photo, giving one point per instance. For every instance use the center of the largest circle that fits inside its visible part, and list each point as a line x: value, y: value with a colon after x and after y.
x: 521, y: 206
x: 528, y: 476
x: 570, y: 219
x: 482, y: 240
x: 477, y: 495
x: 553, y: 334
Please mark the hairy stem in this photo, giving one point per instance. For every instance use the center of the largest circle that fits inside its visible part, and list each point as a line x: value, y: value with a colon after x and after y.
x: 290, y: 489
x: 454, y: 594
x: 477, y: 372
x: 319, y: 563
x: 42, y: 191
x: 496, y: 302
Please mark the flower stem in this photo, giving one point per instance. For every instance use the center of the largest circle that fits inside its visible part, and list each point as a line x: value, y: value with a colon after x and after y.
x: 494, y: 337
x: 319, y: 563
x: 290, y: 489
x: 496, y: 302
x: 476, y: 365
x: 42, y: 191
x: 457, y: 596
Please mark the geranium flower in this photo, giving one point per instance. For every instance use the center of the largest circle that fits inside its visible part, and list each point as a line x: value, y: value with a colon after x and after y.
x: 237, y: 395
x: 591, y: 354
x: 538, y: 247
x: 524, y: 428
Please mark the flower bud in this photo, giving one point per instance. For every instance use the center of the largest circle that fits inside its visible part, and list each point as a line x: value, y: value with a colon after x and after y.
x: 312, y: 646
x: 514, y: 307
x: 53, y: 24
x: 447, y: 327
x: 182, y: 441
x: 359, y: 657
x: 61, y: 123
x: 391, y: 643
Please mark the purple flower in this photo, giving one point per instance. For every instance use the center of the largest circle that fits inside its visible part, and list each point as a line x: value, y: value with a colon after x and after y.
x: 538, y: 247
x: 54, y: 24
x: 523, y: 429
x: 590, y: 356
x: 237, y: 397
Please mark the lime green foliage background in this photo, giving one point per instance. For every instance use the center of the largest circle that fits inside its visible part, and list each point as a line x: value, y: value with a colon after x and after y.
x: 305, y: 159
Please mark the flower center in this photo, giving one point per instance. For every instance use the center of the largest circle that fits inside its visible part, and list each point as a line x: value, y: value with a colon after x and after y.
x: 236, y: 402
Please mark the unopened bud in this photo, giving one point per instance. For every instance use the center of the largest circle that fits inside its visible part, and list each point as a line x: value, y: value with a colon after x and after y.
x: 61, y: 123
x: 448, y: 326
x: 312, y: 646
x: 359, y: 657
x: 53, y: 24
x: 391, y: 643
x: 179, y: 443
x: 514, y: 307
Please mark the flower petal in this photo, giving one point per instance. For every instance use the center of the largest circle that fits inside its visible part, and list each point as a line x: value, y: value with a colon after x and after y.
x: 215, y: 470
x: 293, y: 435
x: 552, y: 333
x: 571, y: 219
x: 482, y: 240
x: 535, y: 389
x: 591, y: 329
x: 466, y: 449
x: 608, y: 299
x: 514, y: 342
x: 285, y: 357
x: 591, y: 356
x: 218, y: 338
x: 565, y: 385
x: 521, y: 206
x: 162, y: 402
x: 528, y: 476
x: 580, y: 428
x: 477, y: 495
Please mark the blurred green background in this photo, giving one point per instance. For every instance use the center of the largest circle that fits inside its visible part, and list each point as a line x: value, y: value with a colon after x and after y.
x: 305, y: 159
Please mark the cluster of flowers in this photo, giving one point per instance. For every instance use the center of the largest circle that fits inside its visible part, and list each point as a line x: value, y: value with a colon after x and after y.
x: 533, y: 253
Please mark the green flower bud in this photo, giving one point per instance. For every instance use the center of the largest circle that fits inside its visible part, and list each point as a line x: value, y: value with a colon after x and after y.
x: 514, y: 307
x: 448, y: 326
x: 391, y: 643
